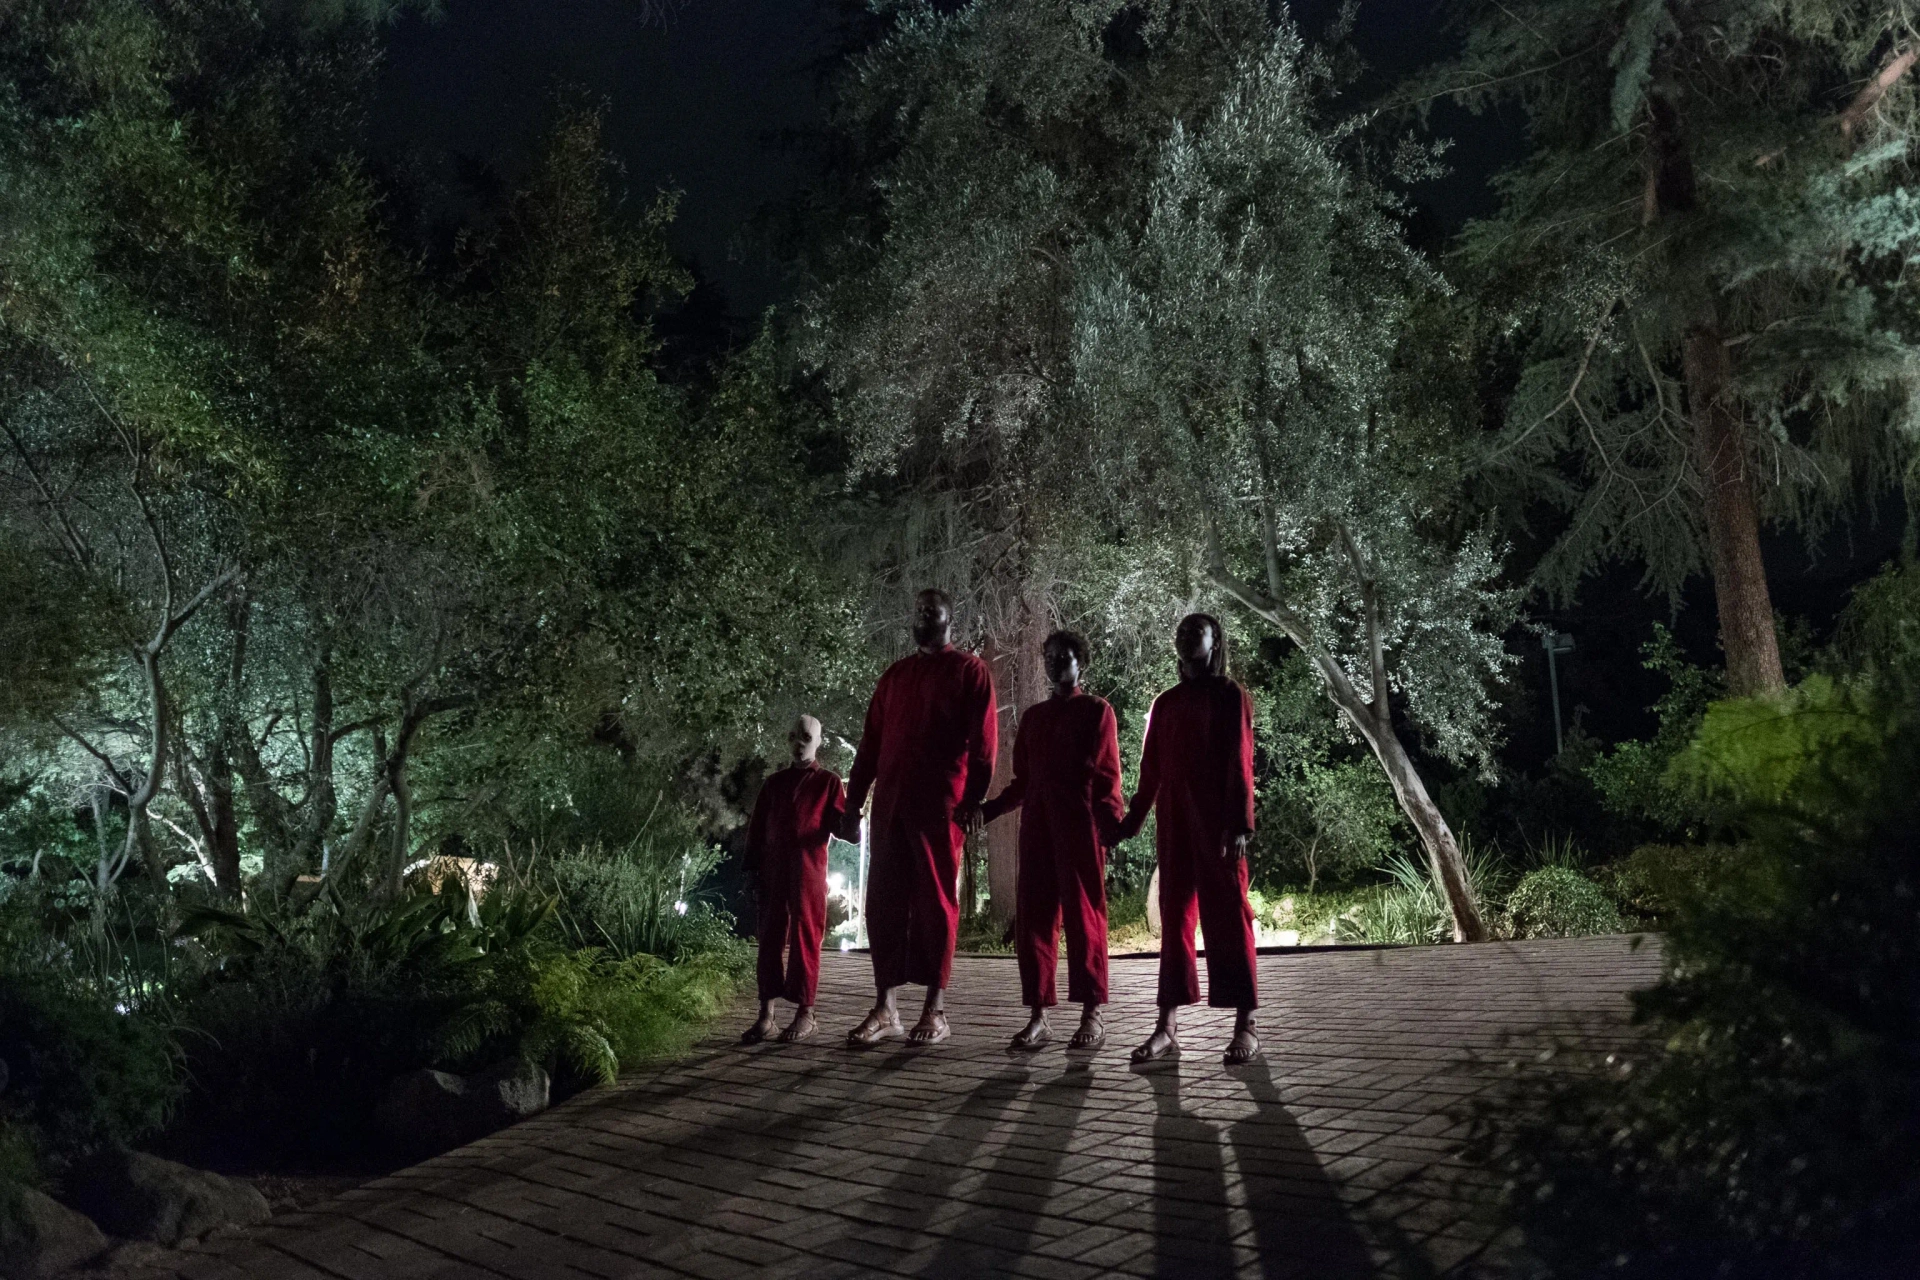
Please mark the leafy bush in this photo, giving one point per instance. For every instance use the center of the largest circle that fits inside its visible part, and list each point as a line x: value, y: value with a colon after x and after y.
x: 1633, y: 778
x: 82, y: 1074
x: 1773, y: 1128
x: 1655, y: 878
x: 637, y: 899
x: 303, y: 1019
x: 1559, y: 902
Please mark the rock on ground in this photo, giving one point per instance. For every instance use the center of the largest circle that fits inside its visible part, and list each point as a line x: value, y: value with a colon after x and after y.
x: 143, y: 1197
x: 39, y: 1236
x: 428, y: 1111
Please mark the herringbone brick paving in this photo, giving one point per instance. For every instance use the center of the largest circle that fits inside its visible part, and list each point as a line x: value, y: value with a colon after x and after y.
x: 1335, y: 1155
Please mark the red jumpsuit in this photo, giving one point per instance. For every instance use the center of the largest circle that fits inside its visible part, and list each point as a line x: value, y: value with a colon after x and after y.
x: 1066, y: 783
x: 1196, y: 771
x: 927, y: 749
x: 799, y: 807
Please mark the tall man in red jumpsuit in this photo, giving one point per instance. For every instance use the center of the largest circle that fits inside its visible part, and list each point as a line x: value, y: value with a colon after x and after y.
x: 1196, y: 771
x: 926, y: 753
x: 1066, y: 783
x: 798, y: 809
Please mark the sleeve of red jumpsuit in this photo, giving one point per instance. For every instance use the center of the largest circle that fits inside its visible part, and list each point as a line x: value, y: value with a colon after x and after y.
x: 1240, y: 773
x: 866, y: 758
x: 1015, y: 791
x: 836, y: 808
x: 984, y: 716
x: 1109, y: 810
x: 1149, y: 786
x: 757, y: 830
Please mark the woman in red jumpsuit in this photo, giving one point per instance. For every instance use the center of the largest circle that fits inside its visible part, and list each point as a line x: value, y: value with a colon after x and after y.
x: 1196, y: 772
x: 1066, y: 783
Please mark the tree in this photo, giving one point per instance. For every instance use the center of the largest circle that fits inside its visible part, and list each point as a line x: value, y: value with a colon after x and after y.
x: 1698, y: 270
x: 1236, y: 351
x: 980, y: 147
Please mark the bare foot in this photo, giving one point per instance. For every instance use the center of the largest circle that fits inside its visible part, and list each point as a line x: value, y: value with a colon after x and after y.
x: 1159, y: 1045
x: 881, y: 1024
x: 1242, y: 1047
x: 799, y: 1029
x: 1035, y: 1034
x: 760, y: 1030
x: 931, y: 1029
x: 1092, y: 1033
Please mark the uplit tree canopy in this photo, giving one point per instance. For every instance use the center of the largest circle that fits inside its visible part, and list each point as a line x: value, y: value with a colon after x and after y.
x: 1236, y: 353
x: 1700, y: 269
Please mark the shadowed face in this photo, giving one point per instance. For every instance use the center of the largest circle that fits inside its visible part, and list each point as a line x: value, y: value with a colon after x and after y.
x: 1063, y: 666
x: 932, y: 620
x: 1195, y: 642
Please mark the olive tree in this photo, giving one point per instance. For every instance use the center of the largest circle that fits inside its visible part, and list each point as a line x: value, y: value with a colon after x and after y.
x: 1236, y: 353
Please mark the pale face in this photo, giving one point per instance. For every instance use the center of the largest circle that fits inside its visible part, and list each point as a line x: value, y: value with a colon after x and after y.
x: 804, y: 739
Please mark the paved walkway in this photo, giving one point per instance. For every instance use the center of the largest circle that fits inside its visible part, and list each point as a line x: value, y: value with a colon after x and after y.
x: 1332, y: 1157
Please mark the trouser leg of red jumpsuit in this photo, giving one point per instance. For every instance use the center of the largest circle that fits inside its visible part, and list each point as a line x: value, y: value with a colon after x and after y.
x: 1211, y: 891
x: 1062, y: 882
x: 1082, y: 879
x: 775, y: 926
x: 1037, y: 925
x: 913, y: 902
x: 806, y: 925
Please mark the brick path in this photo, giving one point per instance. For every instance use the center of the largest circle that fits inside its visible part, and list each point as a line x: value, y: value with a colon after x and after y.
x: 1333, y: 1157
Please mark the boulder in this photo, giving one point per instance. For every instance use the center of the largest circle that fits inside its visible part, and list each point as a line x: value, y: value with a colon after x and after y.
x: 505, y: 1093
x: 143, y: 1197
x: 39, y: 1236
x: 424, y: 1111
x: 428, y: 1111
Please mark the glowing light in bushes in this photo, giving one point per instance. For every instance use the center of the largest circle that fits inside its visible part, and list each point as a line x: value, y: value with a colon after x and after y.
x: 680, y: 908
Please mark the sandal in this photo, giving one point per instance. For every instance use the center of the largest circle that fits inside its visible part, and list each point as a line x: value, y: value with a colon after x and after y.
x: 1147, y: 1053
x: 799, y: 1029
x: 939, y: 1032
x: 1084, y: 1040
x: 1038, y: 1039
x: 872, y: 1030
x: 1239, y: 1054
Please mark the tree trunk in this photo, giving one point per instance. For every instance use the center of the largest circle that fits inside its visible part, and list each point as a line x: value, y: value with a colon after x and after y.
x: 1444, y: 861
x: 1747, y: 633
x: 1020, y: 675
x: 1372, y: 717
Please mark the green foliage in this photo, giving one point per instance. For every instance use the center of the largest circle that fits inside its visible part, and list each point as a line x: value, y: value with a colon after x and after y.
x: 1633, y: 778
x: 1694, y: 173
x: 1754, y: 755
x: 1771, y: 1130
x: 1655, y: 879
x: 1408, y: 909
x: 1559, y: 902
x: 85, y: 1070
x: 1878, y: 635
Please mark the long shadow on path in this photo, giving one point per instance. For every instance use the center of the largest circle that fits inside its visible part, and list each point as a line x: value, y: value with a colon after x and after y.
x: 999, y: 1225
x: 1300, y: 1228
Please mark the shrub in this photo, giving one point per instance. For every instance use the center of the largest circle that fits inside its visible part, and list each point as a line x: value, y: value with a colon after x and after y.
x: 81, y: 1074
x: 1559, y: 902
x: 1773, y: 1127
x: 1408, y: 909
x: 1655, y: 878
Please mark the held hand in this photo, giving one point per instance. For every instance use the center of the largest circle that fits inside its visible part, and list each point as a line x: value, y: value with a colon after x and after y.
x: 970, y: 819
x: 850, y: 828
x: 1235, y: 846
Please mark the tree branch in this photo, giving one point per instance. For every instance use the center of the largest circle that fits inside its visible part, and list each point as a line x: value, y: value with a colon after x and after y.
x: 113, y: 771
x: 1376, y: 622
x: 1863, y: 103
x: 76, y: 547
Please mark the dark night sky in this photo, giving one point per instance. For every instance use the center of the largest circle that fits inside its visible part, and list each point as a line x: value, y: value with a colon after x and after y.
x: 698, y: 100
x: 693, y: 102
